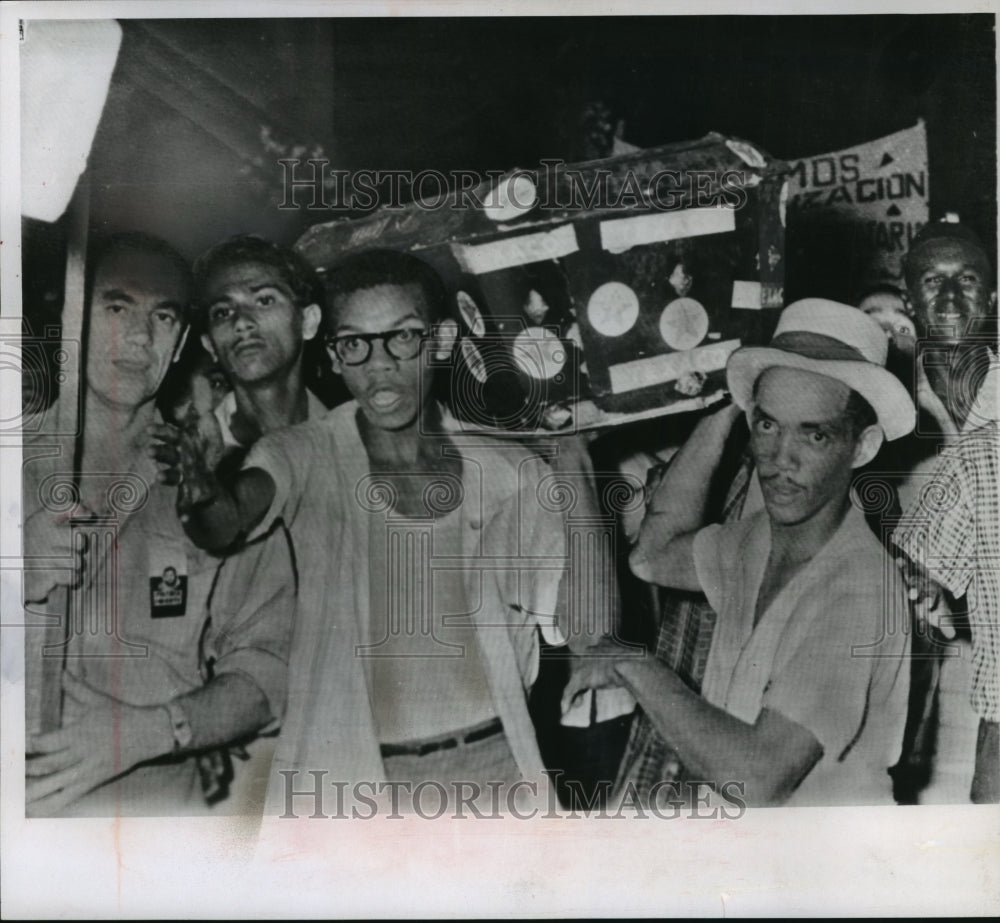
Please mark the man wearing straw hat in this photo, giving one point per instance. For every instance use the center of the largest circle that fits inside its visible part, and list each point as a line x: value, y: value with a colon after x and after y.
x: 804, y: 697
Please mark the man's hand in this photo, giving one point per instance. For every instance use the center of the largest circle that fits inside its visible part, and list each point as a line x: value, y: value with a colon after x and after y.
x: 927, y: 598
x: 187, y: 456
x: 47, y: 535
x: 62, y: 766
x: 594, y: 668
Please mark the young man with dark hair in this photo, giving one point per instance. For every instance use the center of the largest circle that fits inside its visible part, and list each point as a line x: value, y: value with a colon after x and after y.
x: 258, y: 306
x: 385, y: 267
x: 428, y: 563
x: 804, y: 696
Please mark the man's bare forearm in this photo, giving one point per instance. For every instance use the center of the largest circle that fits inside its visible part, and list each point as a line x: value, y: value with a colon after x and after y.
x: 678, y: 506
x: 663, y: 553
x: 65, y: 764
x: 771, y: 757
x: 221, y: 515
x: 224, y: 710
x: 213, y: 524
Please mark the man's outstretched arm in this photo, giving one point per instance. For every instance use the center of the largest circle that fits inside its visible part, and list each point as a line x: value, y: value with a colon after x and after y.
x: 221, y: 519
x: 771, y: 756
x: 664, y: 553
x: 216, y: 516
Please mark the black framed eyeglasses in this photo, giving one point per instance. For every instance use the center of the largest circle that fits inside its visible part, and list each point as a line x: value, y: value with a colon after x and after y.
x: 356, y: 348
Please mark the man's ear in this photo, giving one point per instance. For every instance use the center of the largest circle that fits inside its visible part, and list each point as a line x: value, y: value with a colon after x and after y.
x: 867, y: 446
x: 444, y: 339
x: 209, y: 348
x: 312, y: 316
x: 993, y: 300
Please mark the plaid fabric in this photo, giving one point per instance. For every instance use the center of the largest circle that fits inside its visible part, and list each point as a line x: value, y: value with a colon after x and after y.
x: 686, y: 623
x: 954, y: 532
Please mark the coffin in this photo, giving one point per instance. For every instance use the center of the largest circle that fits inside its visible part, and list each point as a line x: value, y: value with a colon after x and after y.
x: 594, y: 293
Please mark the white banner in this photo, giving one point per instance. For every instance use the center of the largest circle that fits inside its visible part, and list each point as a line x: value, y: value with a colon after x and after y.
x: 883, y: 187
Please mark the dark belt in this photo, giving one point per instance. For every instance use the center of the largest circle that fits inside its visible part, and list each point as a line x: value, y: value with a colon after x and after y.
x: 433, y: 744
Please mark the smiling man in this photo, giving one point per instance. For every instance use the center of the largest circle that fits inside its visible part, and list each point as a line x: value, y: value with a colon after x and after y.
x: 949, y: 282
x: 952, y: 294
x: 804, y: 695
x: 953, y: 299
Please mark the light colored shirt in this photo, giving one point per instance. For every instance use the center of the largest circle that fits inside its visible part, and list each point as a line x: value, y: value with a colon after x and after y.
x: 426, y: 670
x: 144, y: 639
x: 315, y: 408
x: 513, y: 559
x: 829, y: 653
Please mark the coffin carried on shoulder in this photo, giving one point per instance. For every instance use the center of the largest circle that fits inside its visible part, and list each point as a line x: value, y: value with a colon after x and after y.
x: 594, y: 293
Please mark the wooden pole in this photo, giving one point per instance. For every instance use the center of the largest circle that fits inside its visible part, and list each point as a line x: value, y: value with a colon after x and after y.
x: 45, y: 656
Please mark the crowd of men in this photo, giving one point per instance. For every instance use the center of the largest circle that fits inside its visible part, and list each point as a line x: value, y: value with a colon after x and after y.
x: 362, y: 595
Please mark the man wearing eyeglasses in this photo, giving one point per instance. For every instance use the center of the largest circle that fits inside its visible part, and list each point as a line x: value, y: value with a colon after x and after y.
x: 423, y: 561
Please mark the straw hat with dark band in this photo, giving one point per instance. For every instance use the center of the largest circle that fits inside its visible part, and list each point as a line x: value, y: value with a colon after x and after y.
x: 830, y: 339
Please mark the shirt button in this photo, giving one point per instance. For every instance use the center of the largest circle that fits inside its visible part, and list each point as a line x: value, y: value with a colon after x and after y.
x: 475, y: 524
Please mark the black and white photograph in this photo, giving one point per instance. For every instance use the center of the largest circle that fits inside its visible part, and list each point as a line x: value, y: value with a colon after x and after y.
x: 463, y: 460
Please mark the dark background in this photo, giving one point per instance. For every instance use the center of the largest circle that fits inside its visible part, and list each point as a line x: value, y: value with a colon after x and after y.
x: 200, y: 111
x: 178, y: 149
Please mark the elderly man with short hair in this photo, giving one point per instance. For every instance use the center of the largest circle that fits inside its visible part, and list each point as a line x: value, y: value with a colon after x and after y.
x: 154, y: 682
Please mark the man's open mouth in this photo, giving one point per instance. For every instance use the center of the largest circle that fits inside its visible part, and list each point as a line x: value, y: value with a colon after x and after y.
x: 384, y: 398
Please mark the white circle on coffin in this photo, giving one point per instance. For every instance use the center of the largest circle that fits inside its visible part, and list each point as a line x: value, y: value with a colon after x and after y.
x: 470, y: 313
x: 613, y: 309
x: 539, y: 353
x: 683, y: 323
x: 511, y: 198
